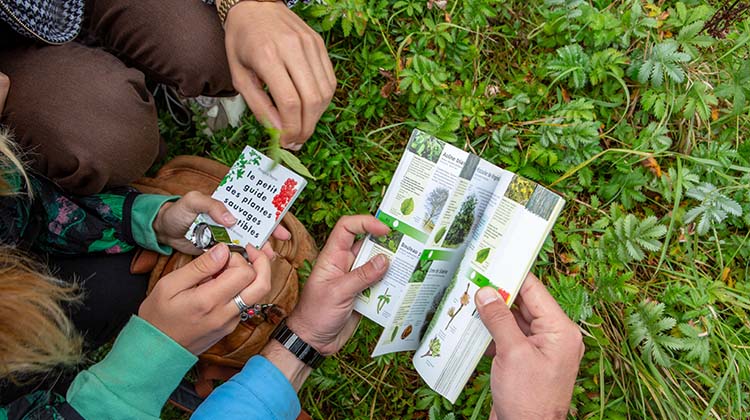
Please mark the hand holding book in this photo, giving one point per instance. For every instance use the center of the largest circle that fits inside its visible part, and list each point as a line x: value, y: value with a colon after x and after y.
x: 174, y: 218
x: 323, y: 317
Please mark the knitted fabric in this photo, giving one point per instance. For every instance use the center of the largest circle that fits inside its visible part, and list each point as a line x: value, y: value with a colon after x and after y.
x: 52, y: 21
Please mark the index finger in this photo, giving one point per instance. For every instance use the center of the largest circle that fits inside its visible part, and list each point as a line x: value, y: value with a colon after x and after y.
x: 536, y: 300
x: 286, y: 97
x: 348, y: 227
x: 224, y: 287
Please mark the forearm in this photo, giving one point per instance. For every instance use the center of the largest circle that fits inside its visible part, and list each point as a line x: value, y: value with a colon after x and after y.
x: 135, y: 378
x: 260, y: 391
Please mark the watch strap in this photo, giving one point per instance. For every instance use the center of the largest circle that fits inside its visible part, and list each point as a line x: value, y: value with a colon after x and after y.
x: 297, y: 346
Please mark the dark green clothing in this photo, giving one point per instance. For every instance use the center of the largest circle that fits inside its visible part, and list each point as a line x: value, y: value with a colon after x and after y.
x: 53, y: 222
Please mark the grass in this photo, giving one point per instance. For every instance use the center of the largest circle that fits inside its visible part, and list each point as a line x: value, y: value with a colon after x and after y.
x: 628, y: 109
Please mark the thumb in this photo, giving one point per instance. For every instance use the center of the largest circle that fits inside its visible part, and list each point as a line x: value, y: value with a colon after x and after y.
x: 201, y: 268
x: 365, y: 275
x: 498, y: 319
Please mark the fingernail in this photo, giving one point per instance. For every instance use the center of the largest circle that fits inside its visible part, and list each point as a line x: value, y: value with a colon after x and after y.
x: 487, y: 295
x: 228, y: 218
x: 217, y: 253
x: 295, y: 146
x: 379, y: 262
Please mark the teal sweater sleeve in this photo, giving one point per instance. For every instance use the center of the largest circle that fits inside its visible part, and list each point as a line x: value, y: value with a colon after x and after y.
x: 135, y: 379
x: 145, y: 209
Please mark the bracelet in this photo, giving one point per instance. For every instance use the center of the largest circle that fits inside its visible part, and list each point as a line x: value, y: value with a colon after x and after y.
x: 223, y: 8
x: 297, y: 346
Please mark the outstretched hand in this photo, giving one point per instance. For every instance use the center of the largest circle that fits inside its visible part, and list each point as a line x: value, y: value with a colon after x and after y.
x: 267, y: 44
x: 537, y: 353
x: 323, y: 317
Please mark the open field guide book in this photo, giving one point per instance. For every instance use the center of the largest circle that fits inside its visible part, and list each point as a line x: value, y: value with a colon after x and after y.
x: 457, y: 223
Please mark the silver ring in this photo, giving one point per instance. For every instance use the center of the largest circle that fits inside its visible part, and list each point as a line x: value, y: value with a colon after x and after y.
x: 241, y: 305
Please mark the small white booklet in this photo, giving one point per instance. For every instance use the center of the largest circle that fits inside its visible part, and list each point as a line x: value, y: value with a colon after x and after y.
x: 258, y: 193
x: 457, y: 223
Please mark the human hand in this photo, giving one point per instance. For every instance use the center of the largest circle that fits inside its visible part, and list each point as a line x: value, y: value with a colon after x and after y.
x: 4, y: 89
x: 174, y: 219
x: 537, y: 353
x: 267, y: 43
x: 194, y: 305
x: 323, y: 317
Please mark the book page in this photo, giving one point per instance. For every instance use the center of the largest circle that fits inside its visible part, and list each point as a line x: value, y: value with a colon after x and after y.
x: 500, y: 253
x: 426, y: 177
x: 440, y: 259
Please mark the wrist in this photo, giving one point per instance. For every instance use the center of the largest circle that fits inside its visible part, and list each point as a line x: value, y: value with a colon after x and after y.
x: 158, y: 224
x: 288, y: 364
x: 304, y: 332
x: 225, y: 8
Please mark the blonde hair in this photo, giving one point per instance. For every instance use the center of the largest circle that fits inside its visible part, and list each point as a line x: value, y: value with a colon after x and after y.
x: 36, y: 334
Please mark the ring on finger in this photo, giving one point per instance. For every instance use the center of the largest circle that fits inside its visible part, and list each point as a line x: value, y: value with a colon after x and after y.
x: 241, y: 305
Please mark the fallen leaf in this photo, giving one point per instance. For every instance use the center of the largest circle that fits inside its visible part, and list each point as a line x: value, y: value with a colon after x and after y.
x: 565, y: 95
x: 566, y: 258
x: 726, y: 278
x: 652, y: 165
x: 714, y: 114
x: 388, y: 88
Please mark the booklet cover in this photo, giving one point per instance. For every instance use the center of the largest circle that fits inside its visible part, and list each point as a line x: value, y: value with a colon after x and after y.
x: 457, y: 223
x: 258, y: 193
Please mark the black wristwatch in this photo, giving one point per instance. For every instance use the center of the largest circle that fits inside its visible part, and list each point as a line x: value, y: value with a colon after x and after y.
x: 299, y: 348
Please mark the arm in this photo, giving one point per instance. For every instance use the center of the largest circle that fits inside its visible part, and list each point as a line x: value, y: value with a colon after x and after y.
x: 187, y: 312
x: 135, y: 379
x: 266, y: 387
x: 113, y: 222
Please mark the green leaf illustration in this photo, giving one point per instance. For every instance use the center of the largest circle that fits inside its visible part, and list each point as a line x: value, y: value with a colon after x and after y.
x: 407, y: 206
x: 482, y: 255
